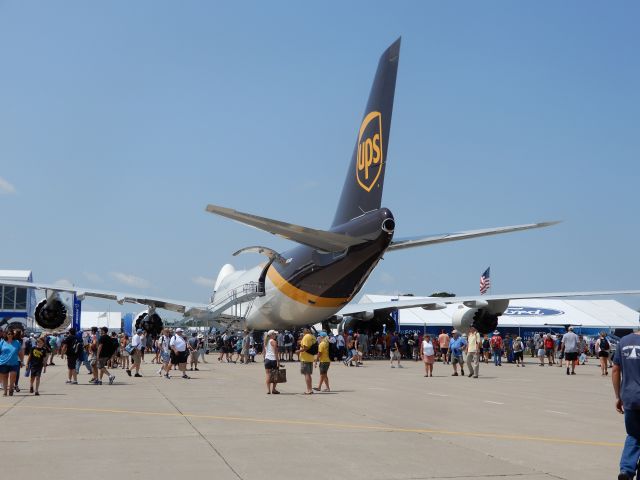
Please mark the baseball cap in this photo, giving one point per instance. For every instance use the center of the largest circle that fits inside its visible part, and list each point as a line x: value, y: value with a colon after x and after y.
x: 179, y: 330
x: 139, y: 330
x: 496, y: 332
x: 454, y: 331
x: 323, y: 334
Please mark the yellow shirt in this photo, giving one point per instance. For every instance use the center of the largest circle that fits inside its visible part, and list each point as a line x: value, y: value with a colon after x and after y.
x: 307, y: 341
x: 323, y: 351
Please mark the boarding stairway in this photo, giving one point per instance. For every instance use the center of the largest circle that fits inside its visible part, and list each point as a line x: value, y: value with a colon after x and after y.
x: 239, y: 301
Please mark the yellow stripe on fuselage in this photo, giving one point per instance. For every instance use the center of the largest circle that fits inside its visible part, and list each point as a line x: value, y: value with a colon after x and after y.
x: 301, y: 296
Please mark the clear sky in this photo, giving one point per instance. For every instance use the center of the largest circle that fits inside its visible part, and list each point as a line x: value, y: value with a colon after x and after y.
x: 120, y: 121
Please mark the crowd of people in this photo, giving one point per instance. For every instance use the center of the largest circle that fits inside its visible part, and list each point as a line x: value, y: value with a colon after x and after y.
x: 102, y: 352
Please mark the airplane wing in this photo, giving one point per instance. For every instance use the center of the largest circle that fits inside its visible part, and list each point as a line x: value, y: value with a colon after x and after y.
x: 320, y: 239
x: 172, y: 305
x: 401, y: 243
x: 479, y: 301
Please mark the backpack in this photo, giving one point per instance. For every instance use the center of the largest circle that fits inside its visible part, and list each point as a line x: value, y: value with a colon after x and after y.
x: 313, y: 349
x: 604, y: 344
x: 78, y: 348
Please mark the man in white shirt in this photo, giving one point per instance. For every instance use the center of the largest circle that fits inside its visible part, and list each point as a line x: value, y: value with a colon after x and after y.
x: 136, y: 354
x: 179, y: 353
x: 570, y: 348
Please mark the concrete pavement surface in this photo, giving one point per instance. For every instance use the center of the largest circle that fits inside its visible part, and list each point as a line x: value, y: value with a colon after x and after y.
x: 532, y: 423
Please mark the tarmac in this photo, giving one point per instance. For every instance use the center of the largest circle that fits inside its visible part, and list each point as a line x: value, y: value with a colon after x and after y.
x: 377, y: 423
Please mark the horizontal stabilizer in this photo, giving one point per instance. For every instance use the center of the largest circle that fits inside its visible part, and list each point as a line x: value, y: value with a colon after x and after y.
x: 452, y: 237
x: 319, y: 239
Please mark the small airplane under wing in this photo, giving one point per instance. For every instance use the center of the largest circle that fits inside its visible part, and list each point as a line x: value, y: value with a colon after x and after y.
x: 121, y: 298
x: 410, y: 242
x: 320, y: 239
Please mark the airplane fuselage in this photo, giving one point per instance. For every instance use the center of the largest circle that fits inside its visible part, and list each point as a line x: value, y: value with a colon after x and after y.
x: 309, y: 286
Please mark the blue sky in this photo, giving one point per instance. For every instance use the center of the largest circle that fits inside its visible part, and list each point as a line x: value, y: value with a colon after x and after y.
x: 120, y: 121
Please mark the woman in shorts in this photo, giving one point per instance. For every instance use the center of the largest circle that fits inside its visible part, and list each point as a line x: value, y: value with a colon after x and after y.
x: 603, y: 350
x: 428, y: 355
x: 11, y: 356
x: 271, y: 361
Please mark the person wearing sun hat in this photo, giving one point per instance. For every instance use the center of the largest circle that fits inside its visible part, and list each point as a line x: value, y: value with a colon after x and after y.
x: 271, y: 360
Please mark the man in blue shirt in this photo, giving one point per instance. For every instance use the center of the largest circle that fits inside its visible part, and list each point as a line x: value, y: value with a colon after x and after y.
x: 626, y: 385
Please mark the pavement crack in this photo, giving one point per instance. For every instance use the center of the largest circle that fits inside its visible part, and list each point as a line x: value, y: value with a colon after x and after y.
x: 211, y: 445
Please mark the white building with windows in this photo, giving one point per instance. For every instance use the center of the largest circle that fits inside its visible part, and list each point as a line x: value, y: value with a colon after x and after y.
x: 17, y: 304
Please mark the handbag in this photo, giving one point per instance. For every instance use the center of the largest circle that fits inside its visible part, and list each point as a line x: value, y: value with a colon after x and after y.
x: 279, y: 375
x: 129, y: 348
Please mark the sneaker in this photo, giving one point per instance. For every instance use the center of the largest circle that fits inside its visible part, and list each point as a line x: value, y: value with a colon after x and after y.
x: 196, y: 369
x: 99, y: 382
x: 128, y: 372
x: 111, y: 379
x: 74, y: 383
x: 186, y: 376
x: 392, y: 366
x: 93, y: 380
x: 137, y: 375
x: 160, y: 372
x: 400, y: 366
x: 37, y: 394
x: 68, y: 381
x: 624, y: 476
x: 166, y: 375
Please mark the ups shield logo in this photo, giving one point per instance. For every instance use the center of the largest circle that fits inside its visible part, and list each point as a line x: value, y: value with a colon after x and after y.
x: 369, y: 151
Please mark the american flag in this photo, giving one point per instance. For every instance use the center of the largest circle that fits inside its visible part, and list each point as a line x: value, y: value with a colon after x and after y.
x: 485, y: 281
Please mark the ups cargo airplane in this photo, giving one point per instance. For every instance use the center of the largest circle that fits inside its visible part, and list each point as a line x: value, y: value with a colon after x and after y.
x: 317, y: 280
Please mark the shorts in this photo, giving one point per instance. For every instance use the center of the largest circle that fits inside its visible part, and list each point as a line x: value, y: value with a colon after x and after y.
x: 4, y: 369
x: 518, y: 355
x: 541, y: 352
x: 71, y: 362
x: 165, y: 357
x: 324, y: 367
x: 456, y: 359
x: 136, y: 357
x: 306, y: 368
x: 395, y: 355
x: 36, y: 371
x: 178, y: 358
x: 270, y: 364
x: 102, y: 362
x: 429, y: 359
x: 571, y: 356
x: 603, y: 354
x: 548, y: 351
x: 444, y: 351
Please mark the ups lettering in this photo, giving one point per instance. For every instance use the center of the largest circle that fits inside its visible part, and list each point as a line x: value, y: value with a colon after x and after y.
x: 369, y: 151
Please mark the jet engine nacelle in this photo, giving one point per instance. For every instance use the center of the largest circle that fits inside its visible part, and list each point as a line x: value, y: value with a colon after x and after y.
x: 149, y: 321
x: 485, y: 319
x: 52, y: 314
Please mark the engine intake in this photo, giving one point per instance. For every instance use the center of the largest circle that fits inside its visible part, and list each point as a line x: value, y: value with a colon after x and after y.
x: 51, y: 314
x: 150, y: 322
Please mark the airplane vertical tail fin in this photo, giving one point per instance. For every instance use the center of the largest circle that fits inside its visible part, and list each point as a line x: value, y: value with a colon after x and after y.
x: 362, y: 189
